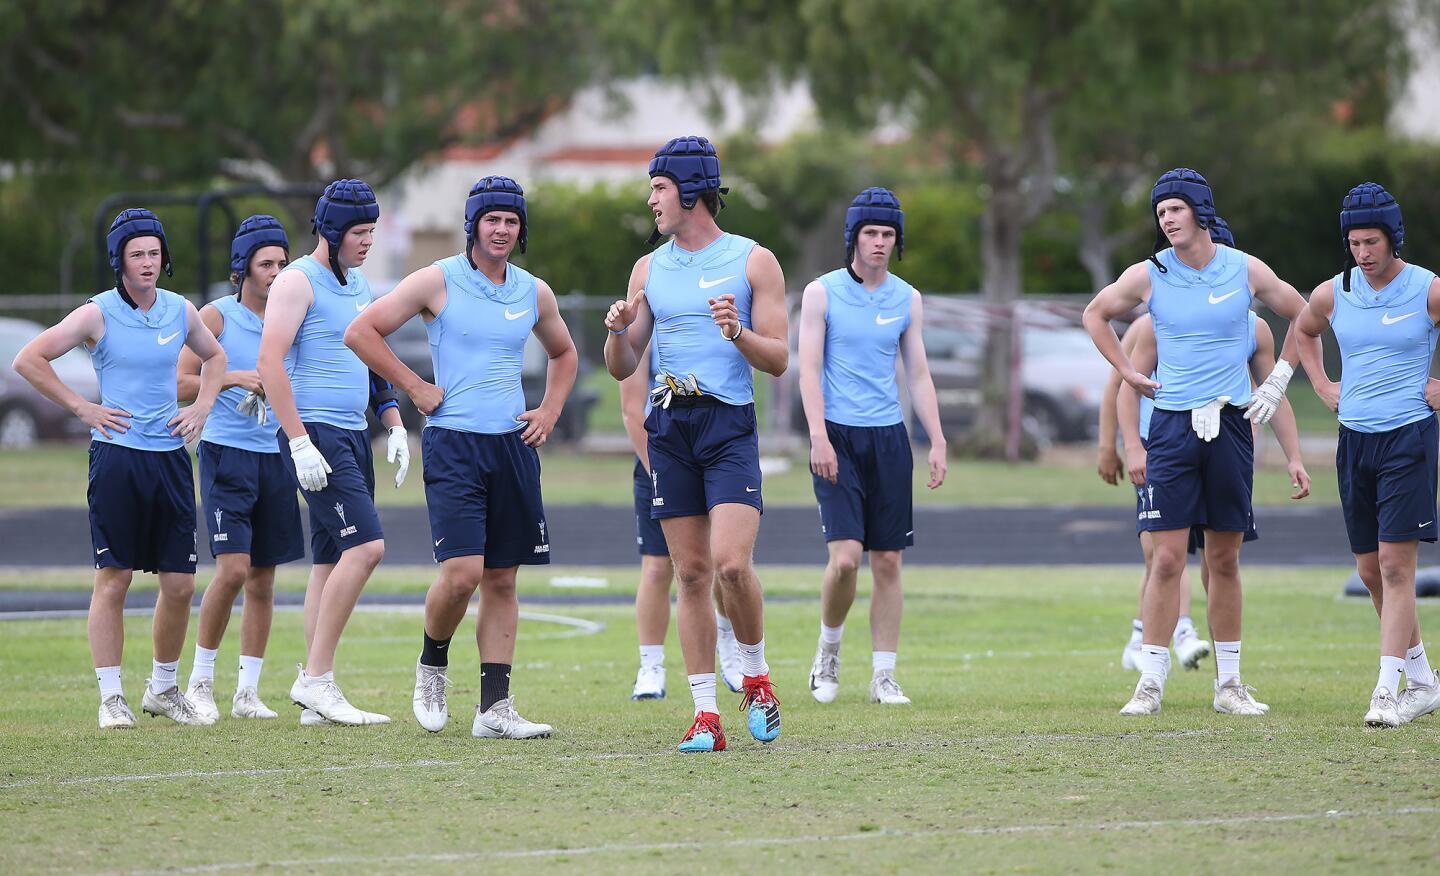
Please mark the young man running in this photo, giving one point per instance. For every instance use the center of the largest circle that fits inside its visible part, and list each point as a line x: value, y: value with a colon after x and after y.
x: 251, y: 511
x: 1201, y: 451
x: 319, y: 390
x: 853, y: 321
x: 142, y: 488
x: 715, y: 305
x: 1384, y: 314
x: 482, y: 474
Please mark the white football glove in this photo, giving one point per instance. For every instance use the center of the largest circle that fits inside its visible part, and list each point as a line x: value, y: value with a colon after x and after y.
x: 397, y: 449
x: 252, y: 405
x: 1205, y: 420
x: 1268, y: 395
x: 310, y: 466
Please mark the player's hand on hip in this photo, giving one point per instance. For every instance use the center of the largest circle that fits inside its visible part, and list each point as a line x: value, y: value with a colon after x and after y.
x: 1432, y: 394
x: 397, y: 450
x: 1135, y: 465
x: 1269, y: 394
x: 1142, y: 384
x: 823, y: 461
x: 539, y: 423
x: 725, y: 314
x: 190, y: 422
x: 939, y: 466
x: 1110, y: 466
x: 1329, y: 393
x: 310, y: 467
x: 622, y: 313
x: 427, y: 398
x: 1299, y: 479
x: 104, y: 419
x: 1205, y: 420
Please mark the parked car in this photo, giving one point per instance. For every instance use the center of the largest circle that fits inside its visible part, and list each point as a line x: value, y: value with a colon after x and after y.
x: 26, y: 416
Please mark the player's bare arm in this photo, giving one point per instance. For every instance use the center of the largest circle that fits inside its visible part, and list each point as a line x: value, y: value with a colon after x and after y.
x: 629, y: 323
x: 423, y: 294
x: 84, y: 325
x: 1286, y: 431
x: 922, y: 390
x: 767, y: 347
x: 1311, y: 324
x: 200, y: 341
x: 290, y: 299
x: 1119, y: 298
x: 813, y: 302
x: 554, y: 336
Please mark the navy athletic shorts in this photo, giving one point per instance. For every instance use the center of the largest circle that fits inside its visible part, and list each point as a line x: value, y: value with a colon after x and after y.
x: 703, y: 453
x: 142, y: 508
x: 250, y: 505
x: 649, y: 537
x: 342, y: 515
x: 467, y: 474
x: 1387, y: 484
x: 1189, y: 482
x: 872, y: 499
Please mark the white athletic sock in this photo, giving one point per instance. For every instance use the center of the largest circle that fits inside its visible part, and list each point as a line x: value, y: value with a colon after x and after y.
x: 1417, y: 668
x: 882, y: 661
x: 723, y: 626
x: 162, y: 675
x: 752, y: 658
x: 1390, y: 673
x: 1184, y: 626
x: 1155, y: 663
x: 1137, y: 633
x: 702, y: 689
x: 250, y: 671
x: 831, y: 635
x: 652, y: 656
x: 109, y: 678
x: 204, y: 663
x: 1227, y: 660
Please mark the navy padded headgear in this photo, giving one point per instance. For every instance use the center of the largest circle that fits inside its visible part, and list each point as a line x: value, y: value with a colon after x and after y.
x: 345, y: 203
x: 693, y: 164
x: 130, y: 224
x: 256, y: 231
x: 874, y: 206
x: 1220, y: 232
x: 494, y: 194
x: 1189, y: 186
x: 1368, y: 205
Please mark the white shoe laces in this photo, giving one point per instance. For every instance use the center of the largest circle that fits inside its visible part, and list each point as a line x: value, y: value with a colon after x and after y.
x: 827, y: 666
x: 116, y: 707
x: 433, y: 682
x: 886, y: 685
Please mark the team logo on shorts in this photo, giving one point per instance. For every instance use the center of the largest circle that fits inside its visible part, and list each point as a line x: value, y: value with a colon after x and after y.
x: 345, y: 530
x: 220, y: 536
x: 655, y: 490
x: 1146, y: 497
x: 544, y: 546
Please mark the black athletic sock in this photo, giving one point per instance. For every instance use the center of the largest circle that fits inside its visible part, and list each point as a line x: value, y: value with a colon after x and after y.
x: 436, y: 652
x: 494, y: 684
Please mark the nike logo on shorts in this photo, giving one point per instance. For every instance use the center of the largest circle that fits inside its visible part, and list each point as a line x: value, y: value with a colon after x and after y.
x: 162, y: 340
x: 707, y: 284
x: 880, y: 320
x: 1387, y: 320
x: 752, y: 489
x: 1214, y: 300
x: 1425, y: 524
x: 438, y: 540
x: 101, y: 551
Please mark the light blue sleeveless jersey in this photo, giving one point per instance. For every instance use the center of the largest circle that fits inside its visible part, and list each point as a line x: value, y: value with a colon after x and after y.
x: 135, y: 363
x: 1386, y: 342
x: 477, y: 343
x: 862, y: 336
x: 678, y: 289
x: 330, y: 382
x: 1202, y: 329
x: 1147, y: 404
x: 227, y: 426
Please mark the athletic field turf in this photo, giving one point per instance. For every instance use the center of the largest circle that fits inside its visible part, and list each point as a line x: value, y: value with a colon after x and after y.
x: 1013, y: 758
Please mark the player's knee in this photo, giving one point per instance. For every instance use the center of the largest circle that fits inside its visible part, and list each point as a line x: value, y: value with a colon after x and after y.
x: 113, y: 587
x: 694, y: 579
x: 179, y: 587
x: 733, y: 572
x: 499, y: 585
x: 230, y: 576
x: 885, y: 564
x: 260, y: 589
x: 370, y: 553
x: 1395, y: 573
x: 845, y: 562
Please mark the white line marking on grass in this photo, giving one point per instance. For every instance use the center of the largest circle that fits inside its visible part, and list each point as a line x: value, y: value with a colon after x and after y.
x: 372, y: 861
x: 225, y: 774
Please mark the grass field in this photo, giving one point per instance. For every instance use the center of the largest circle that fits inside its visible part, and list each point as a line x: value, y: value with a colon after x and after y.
x: 1013, y: 758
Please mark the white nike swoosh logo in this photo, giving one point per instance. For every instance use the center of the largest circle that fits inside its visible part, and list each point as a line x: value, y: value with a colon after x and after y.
x: 880, y: 320
x: 101, y: 551
x: 751, y: 490
x: 509, y: 315
x: 1214, y: 300
x: 1425, y: 524
x: 706, y: 284
x: 1388, y: 321
x: 911, y: 532
x: 163, y: 340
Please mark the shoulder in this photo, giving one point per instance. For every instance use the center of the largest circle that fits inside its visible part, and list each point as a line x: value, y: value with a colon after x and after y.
x: 1138, y: 274
x: 213, y: 315
x: 642, y: 264
x: 815, y: 294
x: 761, y: 262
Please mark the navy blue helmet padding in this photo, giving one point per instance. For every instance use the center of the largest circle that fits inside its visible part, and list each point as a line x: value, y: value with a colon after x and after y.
x: 1368, y: 205
x: 1191, y: 187
x: 130, y: 224
x: 345, y: 203
x: 874, y: 206
x: 495, y: 194
x: 692, y: 163
x: 1220, y: 232
x: 256, y: 231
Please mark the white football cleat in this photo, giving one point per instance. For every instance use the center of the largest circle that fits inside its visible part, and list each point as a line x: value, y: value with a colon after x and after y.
x: 428, y: 703
x: 323, y: 695
x: 825, y: 673
x: 1418, y: 700
x: 115, y: 713
x: 1145, y: 701
x: 1190, y: 649
x: 1234, y: 698
x: 201, y: 695
x: 247, y: 704
x: 1384, y: 709
x: 885, y: 690
x: 1130, y: 657
x: 501, y: 721
x: 727, y: 650
x: 172, y: 704
x: 312, y: 718
x: 649, y: 683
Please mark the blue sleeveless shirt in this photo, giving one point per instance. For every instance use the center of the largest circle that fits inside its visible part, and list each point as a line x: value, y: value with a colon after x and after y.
x: 1202, y: 329
x: 241, y: 339
x: 330, y: 383
x: 477, y: 343
x: 1386, y: 342
x: 1147, y: 404
x: 679, y: 287
x: 862, y: 336
x: 135, y: 363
